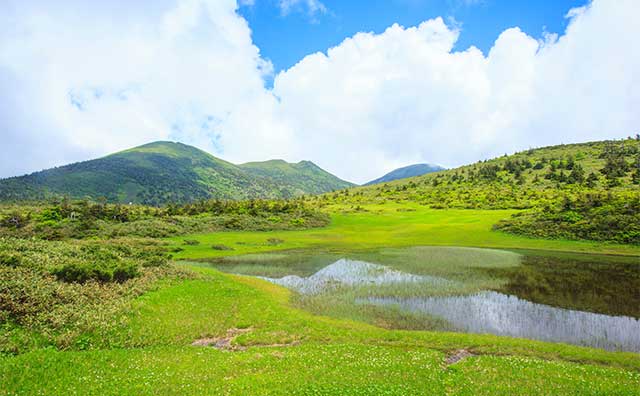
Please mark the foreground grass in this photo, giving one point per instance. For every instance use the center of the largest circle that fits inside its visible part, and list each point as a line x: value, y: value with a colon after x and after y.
x: 389, y: 225
x: 289, y: 351
x: 346, y: 369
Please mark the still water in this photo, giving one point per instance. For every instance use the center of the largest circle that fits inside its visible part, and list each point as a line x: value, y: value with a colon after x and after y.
x: 584, y: 300
x: 501, y: 314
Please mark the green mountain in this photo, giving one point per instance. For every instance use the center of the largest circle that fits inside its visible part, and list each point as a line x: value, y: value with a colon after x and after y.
x: 520, y: 179
x: 405, y: 172
x: 574, y: 191
x: 304, y: 177
x: 165, y: 172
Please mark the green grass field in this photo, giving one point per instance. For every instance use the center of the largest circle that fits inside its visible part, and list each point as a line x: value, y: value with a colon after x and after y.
x: 287, y: 351
x: 275, y: 348
x: 391, y: 225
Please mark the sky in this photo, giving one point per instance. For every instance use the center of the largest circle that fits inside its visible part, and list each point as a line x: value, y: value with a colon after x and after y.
x: 358, y: 87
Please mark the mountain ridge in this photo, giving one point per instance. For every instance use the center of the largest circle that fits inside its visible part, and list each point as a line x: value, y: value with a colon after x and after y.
x: 164, y: 172
x: 406, y: 172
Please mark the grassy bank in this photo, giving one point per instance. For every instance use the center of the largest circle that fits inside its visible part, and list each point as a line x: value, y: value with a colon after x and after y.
x: 282, y: 350
x: 389, y: 225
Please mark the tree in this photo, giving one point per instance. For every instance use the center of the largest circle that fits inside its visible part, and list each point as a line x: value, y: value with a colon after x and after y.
x: 592, y: 180
x: 635, y: 176
x: 570, y: 163
x: 615, y: 166
x: 577, y: 175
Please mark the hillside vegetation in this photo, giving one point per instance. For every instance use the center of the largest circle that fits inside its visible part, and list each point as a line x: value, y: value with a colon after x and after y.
x: 301, y: 178
x: 576, y: 191
x: 66, y: 219
x: 164, y: 172
x: 93, y: 290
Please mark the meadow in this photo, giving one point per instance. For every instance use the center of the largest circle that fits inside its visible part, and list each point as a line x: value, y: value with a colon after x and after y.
x: 104, y: 299
x: 390, y: 225
x: 278, y: 350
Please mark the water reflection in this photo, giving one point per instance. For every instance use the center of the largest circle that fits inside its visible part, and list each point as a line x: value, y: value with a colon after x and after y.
x: 353, y: 273
x: 500, y: 314
x: 585, y: 300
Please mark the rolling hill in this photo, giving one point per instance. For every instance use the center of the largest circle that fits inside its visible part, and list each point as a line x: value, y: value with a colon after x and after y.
x: 573, y: 191
x: 405, y: 172
x: 303, y: 177
x: 166, y: 172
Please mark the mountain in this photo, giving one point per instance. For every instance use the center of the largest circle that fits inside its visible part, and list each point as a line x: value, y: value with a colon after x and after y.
x: 166, y: 172
x: 511, y: 181
x: 407, y: 171
x: 583, y: 191
x: 304, y: 177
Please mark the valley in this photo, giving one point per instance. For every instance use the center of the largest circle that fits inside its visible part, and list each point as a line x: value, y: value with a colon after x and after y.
x: 501, y: 277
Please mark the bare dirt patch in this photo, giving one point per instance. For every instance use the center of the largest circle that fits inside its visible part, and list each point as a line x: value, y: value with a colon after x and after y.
x: 457, y: 356
x: 224, y: 343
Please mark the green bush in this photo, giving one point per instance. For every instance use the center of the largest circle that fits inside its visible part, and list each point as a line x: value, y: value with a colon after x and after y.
x: 10, y: 259
x: 59, y: 292
x: 221, y: 247
x: 298, y: 222
x: 125, y: 271
x: 81, y: 273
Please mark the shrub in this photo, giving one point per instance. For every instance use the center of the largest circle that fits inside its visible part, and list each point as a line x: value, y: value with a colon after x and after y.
x: 191, y: 242
x: 82, y: 273
x: 60, y: 293
x: 125, y: 271
x: 275, y: 241
x: 10, y: 259
x: 14, y: 220
x: 221, y: 247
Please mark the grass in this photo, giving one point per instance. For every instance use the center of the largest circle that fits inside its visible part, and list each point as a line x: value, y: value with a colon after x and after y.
x: 289, y: 352
x: 392, y: 225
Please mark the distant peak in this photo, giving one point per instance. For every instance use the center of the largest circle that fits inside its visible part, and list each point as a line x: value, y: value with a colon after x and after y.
x: 407, y: 171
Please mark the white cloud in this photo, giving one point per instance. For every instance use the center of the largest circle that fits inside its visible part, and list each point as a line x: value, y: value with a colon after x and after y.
x: 90, y: 78
x: 83, y: 79
x: 312, y: 7
x: 378, y: 101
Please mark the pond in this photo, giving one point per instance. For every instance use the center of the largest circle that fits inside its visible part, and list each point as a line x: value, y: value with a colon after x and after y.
x: 589, y: 300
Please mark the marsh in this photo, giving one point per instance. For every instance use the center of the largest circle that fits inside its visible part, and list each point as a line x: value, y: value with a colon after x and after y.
x: 582, y: 299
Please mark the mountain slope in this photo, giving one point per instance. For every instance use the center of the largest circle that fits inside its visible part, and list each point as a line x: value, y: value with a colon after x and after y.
x: 405, y: 172
x: 304, y: 177
x: 577, y: 191
x: 155, y: 173
x: 520, y: 179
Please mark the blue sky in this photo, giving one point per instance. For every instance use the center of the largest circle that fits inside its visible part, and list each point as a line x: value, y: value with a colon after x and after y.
x: 286, y: 37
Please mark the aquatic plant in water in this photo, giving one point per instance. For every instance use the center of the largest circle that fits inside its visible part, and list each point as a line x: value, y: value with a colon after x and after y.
x: 500, y: 314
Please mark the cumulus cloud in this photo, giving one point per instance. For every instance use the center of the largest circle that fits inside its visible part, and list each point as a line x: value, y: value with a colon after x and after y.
x: 88, y: 78
x: 402, y: 96
x: 83, y: 79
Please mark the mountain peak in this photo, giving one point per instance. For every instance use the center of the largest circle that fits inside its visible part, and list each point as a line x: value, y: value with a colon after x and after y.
x: 407, y: 171
x: 164, y: 172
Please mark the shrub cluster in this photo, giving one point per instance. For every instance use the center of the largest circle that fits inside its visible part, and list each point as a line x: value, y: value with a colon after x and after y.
x: 82, y: 219
x: 56, y: 293
x: 593, y: 216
